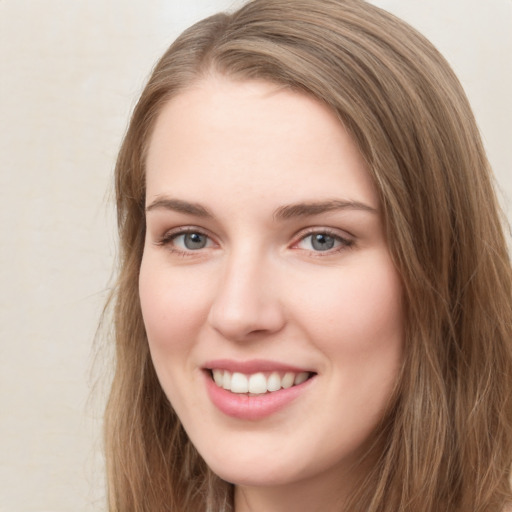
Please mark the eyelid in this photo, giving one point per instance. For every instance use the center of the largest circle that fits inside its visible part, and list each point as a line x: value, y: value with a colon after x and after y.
x: 167, y: 238
x: 347, y: 240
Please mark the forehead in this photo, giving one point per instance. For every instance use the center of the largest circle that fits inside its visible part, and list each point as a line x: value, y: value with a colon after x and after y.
x: 222, y: 133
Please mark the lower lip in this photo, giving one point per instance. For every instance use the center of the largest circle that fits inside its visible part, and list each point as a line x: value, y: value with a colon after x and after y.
x: 245, y: 407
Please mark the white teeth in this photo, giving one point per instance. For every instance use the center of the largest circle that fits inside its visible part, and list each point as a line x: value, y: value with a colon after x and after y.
x: 300, y: 378
x: 226, y: 380
x: 239, y: 383
x: 287, y: 381
x: 257, y: 383
x: 218, y: 377
x: 274, y: 382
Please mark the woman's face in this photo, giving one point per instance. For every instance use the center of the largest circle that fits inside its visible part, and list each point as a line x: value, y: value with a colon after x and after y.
x: 272, y: 307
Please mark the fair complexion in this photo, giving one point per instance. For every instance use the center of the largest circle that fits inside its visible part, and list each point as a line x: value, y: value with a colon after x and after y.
x: 266, y: 265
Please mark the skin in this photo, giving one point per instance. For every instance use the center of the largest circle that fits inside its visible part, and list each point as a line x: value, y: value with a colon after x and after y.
x: 242, y: 151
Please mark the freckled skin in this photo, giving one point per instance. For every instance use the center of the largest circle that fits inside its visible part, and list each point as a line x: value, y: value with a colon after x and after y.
x: 260, y: 289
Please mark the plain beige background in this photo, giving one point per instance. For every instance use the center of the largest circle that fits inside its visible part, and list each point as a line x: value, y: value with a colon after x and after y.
x: 70, y: 72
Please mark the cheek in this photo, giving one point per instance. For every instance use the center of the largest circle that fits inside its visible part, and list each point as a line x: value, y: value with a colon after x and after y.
x: 358, y: 325
x: 173, y: 310
x: 172, y: 306
x: 362, y: 314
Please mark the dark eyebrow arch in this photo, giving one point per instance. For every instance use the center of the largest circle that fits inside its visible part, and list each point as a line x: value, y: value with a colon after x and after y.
x: 316, y: 208
x: 177, y: 205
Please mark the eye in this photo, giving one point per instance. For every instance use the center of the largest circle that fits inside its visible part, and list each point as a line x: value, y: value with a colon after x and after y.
x: 323, y: 241
x: 191, y: 241
x: 186, y: 241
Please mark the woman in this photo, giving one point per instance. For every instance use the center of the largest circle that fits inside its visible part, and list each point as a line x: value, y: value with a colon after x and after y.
x: 313, y: 309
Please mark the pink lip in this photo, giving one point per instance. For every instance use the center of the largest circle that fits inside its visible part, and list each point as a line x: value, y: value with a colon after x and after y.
x: 251, y: 408
x: 252, y: 366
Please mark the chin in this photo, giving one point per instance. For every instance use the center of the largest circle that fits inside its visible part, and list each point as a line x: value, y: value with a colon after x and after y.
x: 263, y: 476
x: 264, y: 469
x: 260, y: 470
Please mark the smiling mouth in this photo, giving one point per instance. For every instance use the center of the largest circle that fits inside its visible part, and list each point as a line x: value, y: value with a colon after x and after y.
x: 259, y: 383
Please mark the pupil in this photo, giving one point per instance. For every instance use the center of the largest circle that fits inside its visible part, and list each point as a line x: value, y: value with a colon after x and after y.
x: 194, y: 241
x: 322, y: 242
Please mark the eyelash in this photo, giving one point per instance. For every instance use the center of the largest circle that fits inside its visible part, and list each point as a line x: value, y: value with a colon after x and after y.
x: 344, y: 243
x: 169, y: 237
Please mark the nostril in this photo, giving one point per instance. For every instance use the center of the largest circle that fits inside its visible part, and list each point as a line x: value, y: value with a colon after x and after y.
x: 244, y: 309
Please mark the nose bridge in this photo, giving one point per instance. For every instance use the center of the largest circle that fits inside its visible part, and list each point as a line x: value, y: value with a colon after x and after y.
x: 246, y: 300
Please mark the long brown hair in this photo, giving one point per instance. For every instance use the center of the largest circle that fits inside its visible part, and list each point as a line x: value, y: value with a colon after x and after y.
x: 446, y: 443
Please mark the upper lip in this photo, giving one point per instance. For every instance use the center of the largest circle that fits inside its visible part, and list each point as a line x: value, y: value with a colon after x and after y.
x: 253, y: 366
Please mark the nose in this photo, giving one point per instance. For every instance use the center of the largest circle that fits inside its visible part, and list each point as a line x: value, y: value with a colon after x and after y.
x: 246, y: 302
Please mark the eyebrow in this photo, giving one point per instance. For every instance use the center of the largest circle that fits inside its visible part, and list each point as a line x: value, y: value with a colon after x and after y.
x: 316, y: 208
x: 180, y: 206
x: 285, y: 212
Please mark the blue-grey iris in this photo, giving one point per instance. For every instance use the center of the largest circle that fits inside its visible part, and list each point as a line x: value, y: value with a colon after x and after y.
x: 322, y: 242
x: 195, y: 241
